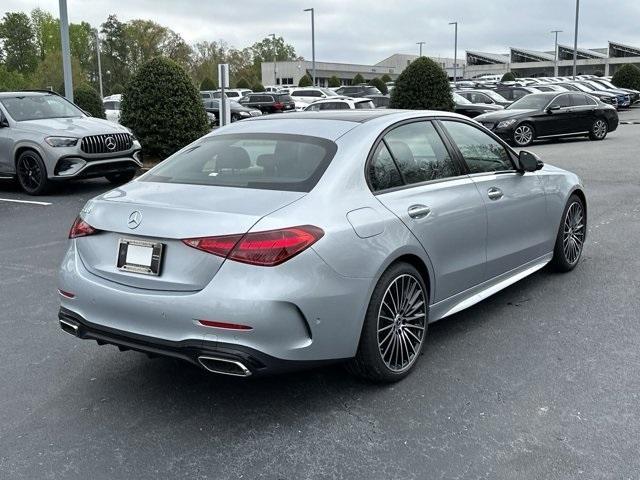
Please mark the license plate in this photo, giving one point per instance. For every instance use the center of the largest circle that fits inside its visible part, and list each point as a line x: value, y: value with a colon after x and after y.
x: 139, y: 257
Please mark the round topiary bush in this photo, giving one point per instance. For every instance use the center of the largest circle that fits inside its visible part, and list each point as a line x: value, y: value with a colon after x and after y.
x: 208, y: 84
x: 88, y: 99
x: 379, y: 84
x: 242, y: 83
x: 508, y: 77
x: 358, y: 79
x: 385, y: 78
x: 257, y: 87
x: 422, y: 85
x: 117, y: 89
x: 163, y: 108
x: 305, y: 81
x: 627, y: 76
x: 334, y: 82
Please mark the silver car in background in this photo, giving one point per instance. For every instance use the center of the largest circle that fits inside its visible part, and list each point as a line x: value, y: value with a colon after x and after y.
x: 44, y: 138
x: 288, y: 241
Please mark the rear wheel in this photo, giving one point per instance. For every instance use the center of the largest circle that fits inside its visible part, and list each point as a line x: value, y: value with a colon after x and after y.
x: 121, y: 177
x: 395, y: 326
x: 523, y: 135
x: 571, y: 235
x: 599, y: 130
x: 31, y: 173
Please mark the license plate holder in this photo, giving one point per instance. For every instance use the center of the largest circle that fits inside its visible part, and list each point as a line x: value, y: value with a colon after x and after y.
x: 138, y: 256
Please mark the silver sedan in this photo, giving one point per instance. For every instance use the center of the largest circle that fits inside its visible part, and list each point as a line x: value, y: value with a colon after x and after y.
x: 294, y: 240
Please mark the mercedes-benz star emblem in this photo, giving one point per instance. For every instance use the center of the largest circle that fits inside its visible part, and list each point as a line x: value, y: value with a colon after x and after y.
x: 135, y: 219
x: 110, y: 143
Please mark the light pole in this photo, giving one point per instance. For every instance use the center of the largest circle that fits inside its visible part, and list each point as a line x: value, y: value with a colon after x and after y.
x: 275, y: 71
x: 420, y: 43
x: 66, y: 54
x: 313, y: 43
x: 455, y: 53
x: 555, y: 51
x: 99, y: 63
x: 575, y: 40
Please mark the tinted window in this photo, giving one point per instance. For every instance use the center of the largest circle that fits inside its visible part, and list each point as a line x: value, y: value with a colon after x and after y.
x: 516, y: 94
x: 580, y: 99
x: 561, y: 101
x: 533, y: 102
x: 205, y: 95
x: 480, y: 151
x: 366, y: 105
x: 264, y: 161
x: 383, y: 172
x: 420, y: 153
x: 111, y: 105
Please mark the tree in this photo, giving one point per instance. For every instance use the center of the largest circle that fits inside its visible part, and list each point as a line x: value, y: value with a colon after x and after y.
x: 358, y: 79
x: 161, y: 105
x: 11, y: 81
x: 208, y: 84
x: 599, y: 73
x: 114, y: 53
x: 49, y: 72
x: 88, y: 99
x: 422, y: 85
x: 46, y: 32
x: 508, y: 77
x: 379, y: 84
x: 386, y: 78
x: 334, y: 82
x: 18, y: 43
x: 116, y: 89
x: 627, y: 76
x: 242, y: 83
x: 257, y: 87
x: 305, y: 81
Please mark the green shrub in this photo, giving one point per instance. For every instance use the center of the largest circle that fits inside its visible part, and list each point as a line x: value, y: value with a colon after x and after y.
x: 257, y: 87
x: 242, y: 83
x: 334, y: 82
x: 208, y: 84
x: 358, y: 79
x: 118, y: 88
x: 88, y: 99
x: 163, y: 108
x: 386, y: 78
x: 627, y: 76
x: 379, y: 84
x: 422, y: 85
x: 508, y: 77
x: 305, y: 81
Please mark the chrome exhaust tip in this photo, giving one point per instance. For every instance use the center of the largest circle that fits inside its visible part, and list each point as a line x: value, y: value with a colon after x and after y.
x: 68, y: 327
x: 224, y: 366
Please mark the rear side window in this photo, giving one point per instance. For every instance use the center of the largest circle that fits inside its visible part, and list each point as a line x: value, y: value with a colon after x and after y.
x: 561, y: 101
x: 383, y: 172
x: 262, y: 161
x: 365, y: 105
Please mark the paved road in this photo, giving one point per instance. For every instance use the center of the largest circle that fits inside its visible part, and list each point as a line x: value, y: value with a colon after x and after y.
x: 541, y: 381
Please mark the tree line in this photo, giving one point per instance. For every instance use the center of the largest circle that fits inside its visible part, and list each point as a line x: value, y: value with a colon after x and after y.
x: 30, y: 53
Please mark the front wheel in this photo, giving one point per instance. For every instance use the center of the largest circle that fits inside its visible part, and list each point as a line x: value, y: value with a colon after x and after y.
x: 598, y: 130
x: 523, y: 135
x: 395, y: 326
x: 571, y: 235
x: 31, y: 173
x: 121, y: 177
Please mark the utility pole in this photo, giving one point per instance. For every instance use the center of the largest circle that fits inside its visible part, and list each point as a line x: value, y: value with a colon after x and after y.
x: 420, y: 43
x: 455, y: 52
x: 575, y: 40
x: 66, y: 52
x: 99, y: 64
x: 313, y: 43
x: 555, y: 53
x: 275, y: 71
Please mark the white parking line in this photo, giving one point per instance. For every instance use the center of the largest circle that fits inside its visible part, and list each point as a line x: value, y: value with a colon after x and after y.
x: 31, y: 202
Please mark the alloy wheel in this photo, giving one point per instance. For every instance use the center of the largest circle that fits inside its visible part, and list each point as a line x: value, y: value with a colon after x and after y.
x: 599, y: 129
x: 523, y: 135
x: 30, y: 172
x: 402, y: 323
x: 573, y: 233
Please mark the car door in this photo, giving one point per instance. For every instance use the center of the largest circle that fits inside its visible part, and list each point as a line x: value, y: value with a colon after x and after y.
x: 6, y: 146
x: 557, y: 118
x: 417, y: 178
x: 515, y: 202
x: 584, y: 111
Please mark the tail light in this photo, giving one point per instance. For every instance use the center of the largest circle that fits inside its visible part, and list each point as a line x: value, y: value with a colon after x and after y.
x: 80, y: 228
x: 267, y: 249
x: 278, y: 105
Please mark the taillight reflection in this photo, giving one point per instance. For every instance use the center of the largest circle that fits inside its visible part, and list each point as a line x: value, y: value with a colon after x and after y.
x: 80, y: 228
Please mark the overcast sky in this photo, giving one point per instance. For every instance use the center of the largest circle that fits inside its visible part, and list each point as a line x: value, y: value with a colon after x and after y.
x: 358, y: 31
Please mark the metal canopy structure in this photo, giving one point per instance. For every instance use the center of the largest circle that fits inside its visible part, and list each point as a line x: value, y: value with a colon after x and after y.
x: 484, y: 58
x: 566, y: 53
x: 521, y: 55
x: 621, y: 50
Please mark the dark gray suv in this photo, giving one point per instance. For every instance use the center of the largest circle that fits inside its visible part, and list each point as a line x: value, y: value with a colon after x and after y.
x: 45, y: 138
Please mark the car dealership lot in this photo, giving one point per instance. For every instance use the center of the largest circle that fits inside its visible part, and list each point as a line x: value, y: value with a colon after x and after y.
x: 539, y: 381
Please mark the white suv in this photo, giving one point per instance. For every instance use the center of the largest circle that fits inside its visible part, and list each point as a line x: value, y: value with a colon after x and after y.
x: 311, y: 94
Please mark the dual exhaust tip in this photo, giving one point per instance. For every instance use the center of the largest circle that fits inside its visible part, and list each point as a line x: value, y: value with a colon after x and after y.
x: 219, y: 365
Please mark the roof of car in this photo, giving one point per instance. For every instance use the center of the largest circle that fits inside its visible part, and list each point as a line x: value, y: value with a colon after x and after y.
x: 357, y: 116
x: 26, y: 93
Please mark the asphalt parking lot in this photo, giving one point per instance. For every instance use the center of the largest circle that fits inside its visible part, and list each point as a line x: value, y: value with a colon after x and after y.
x: 541, y: 381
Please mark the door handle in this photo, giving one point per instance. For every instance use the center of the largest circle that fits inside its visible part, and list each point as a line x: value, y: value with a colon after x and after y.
x: 494, y: 193
x: 418, y: 211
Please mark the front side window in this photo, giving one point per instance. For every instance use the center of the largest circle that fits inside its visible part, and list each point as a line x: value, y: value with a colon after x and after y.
x: 38, y: 107
x: 481, y: 152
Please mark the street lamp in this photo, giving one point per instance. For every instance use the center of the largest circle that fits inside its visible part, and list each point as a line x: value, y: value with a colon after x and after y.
x: 455, y: 53
x: 575, y: 40
x: 555, y: 51
x: 420, y: 43
x: 99, y: 64
x: 66, y: 53
x: 275, y: 71
x: 313, y: 44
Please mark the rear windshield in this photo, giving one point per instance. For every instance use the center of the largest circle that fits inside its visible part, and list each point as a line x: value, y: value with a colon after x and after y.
x: 263, y: 161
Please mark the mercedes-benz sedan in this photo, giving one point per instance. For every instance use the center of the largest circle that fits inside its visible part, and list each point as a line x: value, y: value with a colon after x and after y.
x: 288, y: 241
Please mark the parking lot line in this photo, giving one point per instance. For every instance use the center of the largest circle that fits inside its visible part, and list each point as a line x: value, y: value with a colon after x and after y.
x: 31, y: 202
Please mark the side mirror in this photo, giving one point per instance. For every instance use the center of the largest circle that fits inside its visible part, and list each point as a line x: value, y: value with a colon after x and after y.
x: 529, y: 162
x: 553, y: 108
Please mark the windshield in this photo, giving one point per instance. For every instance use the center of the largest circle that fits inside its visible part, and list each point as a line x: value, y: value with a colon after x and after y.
x: 39, y: 107
x: 588, y: 87
x: 607, y: 84
x: 532, y: 101
x: 263, y: 161
x: 460, y: 99
x: 495, y: 96
x: 328, y: 92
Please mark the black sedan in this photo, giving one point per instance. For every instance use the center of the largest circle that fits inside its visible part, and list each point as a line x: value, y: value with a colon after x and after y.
x: 238, y: 112
x: 550, y: 115
x: 468, y: 109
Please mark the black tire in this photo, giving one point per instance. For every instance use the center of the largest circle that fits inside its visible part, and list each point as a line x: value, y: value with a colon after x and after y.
x: 375, y: 345
x: 121, y: 177
x: 565, y: 257
x: 31, y: 173
x: 599, y: 129
x: 523, y: 135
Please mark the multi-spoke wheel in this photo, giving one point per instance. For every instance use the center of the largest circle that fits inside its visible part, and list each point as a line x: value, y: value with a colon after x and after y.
x: 571, y: 235
x: 523, y: 135
x: 395, y: 326
x: 598, y: 130
x: 31, y: 173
